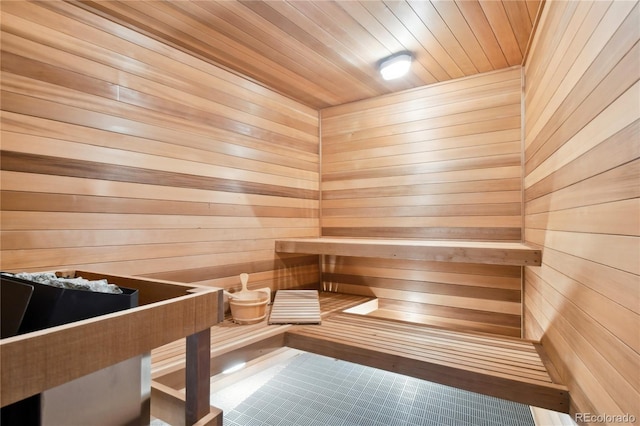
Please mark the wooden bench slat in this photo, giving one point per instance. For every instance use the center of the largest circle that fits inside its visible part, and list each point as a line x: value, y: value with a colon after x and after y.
x: 412, y: 346
x: 456, y: 361
x: 431, y: 345
x: 434, y: 359
x: 296, y: 307
x: 495, y: 253
x: 496, y: 366
x: 525, y: 354
x: 499, y: 366
x: 545, y: 395
x: 228, y: 336
x: 498, y: 341
x: 529, y: 356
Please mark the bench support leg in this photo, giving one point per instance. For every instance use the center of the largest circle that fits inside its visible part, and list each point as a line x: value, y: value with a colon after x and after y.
x: 198, y: 376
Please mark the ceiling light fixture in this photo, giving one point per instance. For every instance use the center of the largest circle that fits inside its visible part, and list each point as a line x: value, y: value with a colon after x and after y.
x: 395, y: 66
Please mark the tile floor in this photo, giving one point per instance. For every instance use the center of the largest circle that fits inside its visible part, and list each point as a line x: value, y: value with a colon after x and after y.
x: 312, y: 390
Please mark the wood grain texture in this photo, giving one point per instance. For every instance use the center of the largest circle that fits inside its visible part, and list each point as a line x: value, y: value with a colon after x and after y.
x: 441, y: 162
x: 40, y: 360
x: 582, y: 198
x: 493, y: 253
x: 168, y: 405
x: 429, y: 161
x: 326, y: 53
x: 197, y: 390
x: 232, y: 342
x: 295, y: 307
x: 121, y: 153
x: 501, y: 367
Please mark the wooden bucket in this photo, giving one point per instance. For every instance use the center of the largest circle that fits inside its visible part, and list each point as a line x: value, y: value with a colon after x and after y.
x: 248, y: 307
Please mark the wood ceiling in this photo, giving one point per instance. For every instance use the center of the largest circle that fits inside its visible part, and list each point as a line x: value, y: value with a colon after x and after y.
x: 325, y: 53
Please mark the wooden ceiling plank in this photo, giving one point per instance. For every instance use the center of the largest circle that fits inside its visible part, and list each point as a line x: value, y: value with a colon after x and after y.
x: 360, y: 41
x: 345, y: 26
x: 423, y: 36
x: 137, y: 20
x: 225, y: 50
x: 461, y: 30
x: 377, y: 31
x: 533, y: 7
x: 394, y: 26
x: 521, y: 23
x: 499, y: 21
x: 334, y: 24
x: 419, y: 75
x: 442, y: 33
x: 223, y: 94
x: 210, y: 52
x: 478, y: 22
x: 266, y: 40
x: 311, y: 36
x: 325, y: 52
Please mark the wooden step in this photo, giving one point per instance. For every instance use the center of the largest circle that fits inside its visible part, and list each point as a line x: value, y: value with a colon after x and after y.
x: 503, y: 367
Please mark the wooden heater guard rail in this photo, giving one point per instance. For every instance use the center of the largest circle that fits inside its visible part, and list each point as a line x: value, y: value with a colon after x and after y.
x: 504, y: 367
x: 34, y: 362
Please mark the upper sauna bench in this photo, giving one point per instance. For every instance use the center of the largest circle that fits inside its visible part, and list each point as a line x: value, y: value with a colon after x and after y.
x: 495, y: 253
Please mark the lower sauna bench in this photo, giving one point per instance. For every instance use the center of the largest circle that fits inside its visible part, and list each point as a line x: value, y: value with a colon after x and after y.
x: 503, y: 367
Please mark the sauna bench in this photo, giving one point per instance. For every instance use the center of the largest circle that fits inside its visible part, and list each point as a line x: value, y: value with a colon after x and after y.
x: 495, y: 253
x: 231, y: 342
x: 34, y: 362
x: 503, y: 367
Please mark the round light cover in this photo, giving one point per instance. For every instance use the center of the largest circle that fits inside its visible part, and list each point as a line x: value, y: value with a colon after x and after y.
x: 396, y: 66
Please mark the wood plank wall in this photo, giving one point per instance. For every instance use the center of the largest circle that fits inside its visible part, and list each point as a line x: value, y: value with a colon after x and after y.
x: 123, y: 155
x: 438, y: 162
x: 582, y: 132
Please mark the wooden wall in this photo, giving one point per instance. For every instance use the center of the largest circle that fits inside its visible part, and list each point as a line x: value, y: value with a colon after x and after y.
x: 582, y: 108
x: 123, y: 155
x: 439, y: 162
